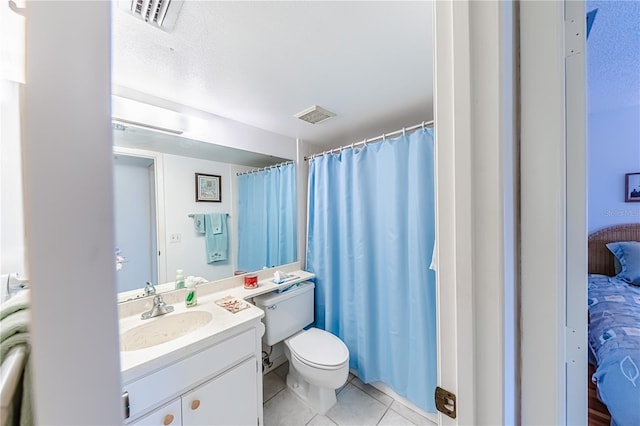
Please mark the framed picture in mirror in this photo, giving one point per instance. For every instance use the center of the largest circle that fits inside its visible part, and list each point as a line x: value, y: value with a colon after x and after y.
x: 632, y: 187
x: 208, y: 188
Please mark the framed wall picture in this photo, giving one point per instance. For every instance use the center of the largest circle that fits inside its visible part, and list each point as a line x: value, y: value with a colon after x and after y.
x: 632, y: 187
x: 208, y: 188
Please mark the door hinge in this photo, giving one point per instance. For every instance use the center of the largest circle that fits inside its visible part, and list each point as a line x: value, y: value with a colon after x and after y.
x: 574, y: 36
x: 445, y: 402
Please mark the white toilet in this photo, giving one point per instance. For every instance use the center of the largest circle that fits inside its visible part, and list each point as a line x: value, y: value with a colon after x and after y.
x: 318, y: 360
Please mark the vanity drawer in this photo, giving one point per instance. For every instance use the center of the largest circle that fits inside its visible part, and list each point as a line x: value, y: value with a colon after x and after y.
x: 169, y: 414
x: 156, y: 388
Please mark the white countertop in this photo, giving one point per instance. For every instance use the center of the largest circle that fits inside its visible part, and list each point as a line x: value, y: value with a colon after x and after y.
x: 135, y: 364
x: 267, y: 285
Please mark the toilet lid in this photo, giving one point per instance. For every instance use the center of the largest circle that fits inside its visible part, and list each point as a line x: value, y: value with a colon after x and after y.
x: 319, y: 347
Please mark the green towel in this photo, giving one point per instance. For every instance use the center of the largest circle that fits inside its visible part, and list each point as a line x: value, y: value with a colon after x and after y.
x: 20, y: 413
x: 17, y: 303
x: 18, y: 322
x: 12, y: 341
x: 14, y: 331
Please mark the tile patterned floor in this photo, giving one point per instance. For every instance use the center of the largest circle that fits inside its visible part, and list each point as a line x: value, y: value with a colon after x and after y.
x: 358, y: 404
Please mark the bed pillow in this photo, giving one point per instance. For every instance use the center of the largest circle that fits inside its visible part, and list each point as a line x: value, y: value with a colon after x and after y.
x: 628, y: 253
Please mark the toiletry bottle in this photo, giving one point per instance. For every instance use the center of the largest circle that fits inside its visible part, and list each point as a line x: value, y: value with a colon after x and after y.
x: 179, y: 279
x: 192, y: 297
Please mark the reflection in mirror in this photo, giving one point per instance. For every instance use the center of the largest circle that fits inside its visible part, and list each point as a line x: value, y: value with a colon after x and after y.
x: 135, y: 221
x: 267, y: 218
x: 154, y: 181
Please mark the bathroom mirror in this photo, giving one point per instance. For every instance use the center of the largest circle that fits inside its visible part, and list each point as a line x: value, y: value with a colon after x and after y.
x: 154, y: 192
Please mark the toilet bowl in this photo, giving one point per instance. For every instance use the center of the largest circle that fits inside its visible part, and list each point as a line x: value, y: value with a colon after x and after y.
x: 318, y: 360
x: 318, y: 365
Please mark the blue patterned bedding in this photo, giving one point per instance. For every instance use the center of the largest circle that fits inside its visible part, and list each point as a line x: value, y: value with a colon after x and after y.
x: 614, y: 342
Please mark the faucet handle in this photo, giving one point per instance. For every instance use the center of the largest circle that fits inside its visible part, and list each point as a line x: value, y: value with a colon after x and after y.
x: 159, y: 308
x: 149, y: 289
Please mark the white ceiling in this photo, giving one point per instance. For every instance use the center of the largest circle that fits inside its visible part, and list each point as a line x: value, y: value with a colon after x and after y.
x: 259, y: 63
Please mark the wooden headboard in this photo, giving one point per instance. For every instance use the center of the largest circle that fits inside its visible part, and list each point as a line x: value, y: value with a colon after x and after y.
x: 600, y: 258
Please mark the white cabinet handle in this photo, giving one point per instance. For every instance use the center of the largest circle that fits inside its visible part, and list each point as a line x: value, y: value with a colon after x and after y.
x: 168, y: 419
x: 195, y: 404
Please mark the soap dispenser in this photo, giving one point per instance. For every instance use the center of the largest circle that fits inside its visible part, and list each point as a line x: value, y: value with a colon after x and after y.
x: 179, y: 279
x: 192, y: 297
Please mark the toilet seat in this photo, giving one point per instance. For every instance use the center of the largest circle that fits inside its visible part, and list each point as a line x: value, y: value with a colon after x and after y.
x: 319, y: 349
x: 317, y: 366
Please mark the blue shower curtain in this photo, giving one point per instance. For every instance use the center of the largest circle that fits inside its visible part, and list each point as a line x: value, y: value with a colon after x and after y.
x: 267, y: 231
x: 371, y: 230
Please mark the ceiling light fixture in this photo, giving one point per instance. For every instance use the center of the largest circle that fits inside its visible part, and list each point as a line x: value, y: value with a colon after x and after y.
x: 131, y: 113
x: 314, y: 114
x: 120, y: 124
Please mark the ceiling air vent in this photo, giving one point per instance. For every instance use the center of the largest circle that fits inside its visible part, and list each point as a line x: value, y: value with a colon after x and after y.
x: 314, y: 114
x: 157, y: 13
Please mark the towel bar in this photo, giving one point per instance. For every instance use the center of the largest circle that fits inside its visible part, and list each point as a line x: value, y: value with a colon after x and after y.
x: 193, y: 214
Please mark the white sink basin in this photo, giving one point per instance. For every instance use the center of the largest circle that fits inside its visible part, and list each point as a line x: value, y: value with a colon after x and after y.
x: 162, y: 329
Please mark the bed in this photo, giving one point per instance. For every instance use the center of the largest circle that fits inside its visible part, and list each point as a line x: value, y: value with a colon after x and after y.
x: 614, y: 323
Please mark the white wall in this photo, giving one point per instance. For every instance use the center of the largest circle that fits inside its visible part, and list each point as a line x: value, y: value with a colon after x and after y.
x: 614, y: 149
x: 613, y: 89
x: 12, y: 256
x: 179, y: 196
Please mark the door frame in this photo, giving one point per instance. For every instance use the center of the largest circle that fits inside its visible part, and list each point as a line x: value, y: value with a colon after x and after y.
x: 70, y: 258
x: 477, y: 208
x: 553, y: 222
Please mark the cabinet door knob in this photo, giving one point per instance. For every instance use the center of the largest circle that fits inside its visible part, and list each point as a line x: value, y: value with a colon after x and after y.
x: 168, y: 419
x: 195, y: 404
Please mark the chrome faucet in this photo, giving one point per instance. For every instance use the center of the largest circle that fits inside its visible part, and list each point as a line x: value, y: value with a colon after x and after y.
x: 149, y: 289
x: 158, y: 308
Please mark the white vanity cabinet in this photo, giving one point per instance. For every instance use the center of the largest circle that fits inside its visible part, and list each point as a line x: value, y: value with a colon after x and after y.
x: 216, y: 385
x: 229, y: 399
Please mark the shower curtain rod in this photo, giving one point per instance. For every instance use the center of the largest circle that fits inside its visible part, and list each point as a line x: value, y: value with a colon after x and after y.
x: 383, y: 136
x: 284, y: 163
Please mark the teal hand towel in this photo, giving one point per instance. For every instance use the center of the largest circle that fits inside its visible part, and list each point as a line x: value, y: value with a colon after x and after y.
x: 198, y: 223
x: 217, y: 244
x: 216, y: 223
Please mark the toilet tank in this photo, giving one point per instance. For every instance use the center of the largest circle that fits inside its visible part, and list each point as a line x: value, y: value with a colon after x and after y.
x: 287, y: 312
